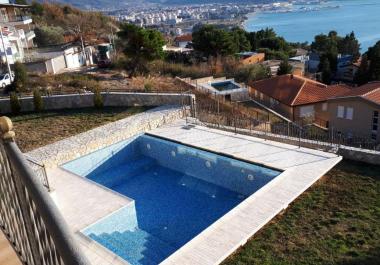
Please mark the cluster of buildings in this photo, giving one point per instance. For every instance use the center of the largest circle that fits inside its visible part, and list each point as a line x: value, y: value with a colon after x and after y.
x: 17, y: 32
x: 178, y: 14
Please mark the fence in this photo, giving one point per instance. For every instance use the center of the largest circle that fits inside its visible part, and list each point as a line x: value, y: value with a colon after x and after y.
x: 289, y: 132
x: 40, y: 172
x: 28, y: 216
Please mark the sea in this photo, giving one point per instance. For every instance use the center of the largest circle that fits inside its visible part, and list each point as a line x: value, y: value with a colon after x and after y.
x: 301, y: 22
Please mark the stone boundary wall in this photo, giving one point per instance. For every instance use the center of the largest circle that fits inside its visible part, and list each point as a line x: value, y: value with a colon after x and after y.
x: 76, y: 146
x: 110, y: 99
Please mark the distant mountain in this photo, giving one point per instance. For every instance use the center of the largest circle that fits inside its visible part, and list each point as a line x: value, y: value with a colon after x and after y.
x: 113, y: 4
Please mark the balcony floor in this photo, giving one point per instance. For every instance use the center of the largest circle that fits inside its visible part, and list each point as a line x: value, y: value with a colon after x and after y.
x: 7, y: 255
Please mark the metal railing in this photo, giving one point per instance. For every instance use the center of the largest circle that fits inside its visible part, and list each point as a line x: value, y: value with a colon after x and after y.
x: 288, y: 132
x: 40, y: 171
x: 28, y: 216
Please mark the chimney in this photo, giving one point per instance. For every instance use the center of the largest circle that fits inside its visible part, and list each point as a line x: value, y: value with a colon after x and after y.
x: 291, y: 76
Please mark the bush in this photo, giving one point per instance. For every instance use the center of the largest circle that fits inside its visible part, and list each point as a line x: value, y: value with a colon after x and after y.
x: 98, y: 99
x: 251, y: 73
x: 49, y: 35
x: 148, y: 87
x: 37, y: 100
x: 15, y: 103
x: 21, y: 77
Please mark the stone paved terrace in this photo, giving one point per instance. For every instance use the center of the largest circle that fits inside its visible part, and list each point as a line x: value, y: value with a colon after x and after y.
x: 83, y: 202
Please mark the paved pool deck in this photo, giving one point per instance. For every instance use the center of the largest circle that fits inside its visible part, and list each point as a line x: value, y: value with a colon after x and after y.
x: 83, y: 202
x: 302, y: 167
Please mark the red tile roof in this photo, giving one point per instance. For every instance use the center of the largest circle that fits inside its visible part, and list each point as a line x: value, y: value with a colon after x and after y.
x: 370, y: 91
x: 183, y: 38
x: 296, y: 90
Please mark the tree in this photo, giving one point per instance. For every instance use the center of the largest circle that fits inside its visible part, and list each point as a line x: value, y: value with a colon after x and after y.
x: 21, y: 76
x: 362, y: 75
x: 48, y: 35
x: 285, y: 68
x: 36, y: 9
x: 240, y: 39
x: 255, y: 37
x: 325, y: 69
x: 140, y: 46
x: 211, y: 41
x: 374, y: 59
x: 349, y: 45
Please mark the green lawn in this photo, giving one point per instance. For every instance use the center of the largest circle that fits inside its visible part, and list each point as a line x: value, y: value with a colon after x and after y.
x: 337, y: 221
x: 38, y: 129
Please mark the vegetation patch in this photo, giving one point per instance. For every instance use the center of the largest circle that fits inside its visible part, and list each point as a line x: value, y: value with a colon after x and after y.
x: 337, y: 221
x: 38, y: 129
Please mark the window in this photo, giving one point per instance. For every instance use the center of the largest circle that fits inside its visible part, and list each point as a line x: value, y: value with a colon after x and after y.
x: 324, y: 106
x: 307, y: 111
x: 256, y: 94
x: 375, y: 122
x: 340, y: 113
x: 261, y: 96
x: 349, y: 113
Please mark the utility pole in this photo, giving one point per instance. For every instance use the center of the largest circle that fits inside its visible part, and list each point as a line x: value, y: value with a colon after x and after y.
x: 5, y: 52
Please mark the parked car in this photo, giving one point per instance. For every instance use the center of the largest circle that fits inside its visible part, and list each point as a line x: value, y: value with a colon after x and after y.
x: 5, y: 80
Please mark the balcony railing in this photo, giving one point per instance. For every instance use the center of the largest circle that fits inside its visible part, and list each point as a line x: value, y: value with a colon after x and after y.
x: 28, y: 216
x: 18, y: 18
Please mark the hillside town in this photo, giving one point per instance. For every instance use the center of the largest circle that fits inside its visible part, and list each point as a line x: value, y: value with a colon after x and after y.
x: 171, y: 134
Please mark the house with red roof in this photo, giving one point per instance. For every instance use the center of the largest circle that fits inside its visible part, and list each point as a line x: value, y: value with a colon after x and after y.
x: 357, y: 112
x: 183, y: 41
x: 296, y: 97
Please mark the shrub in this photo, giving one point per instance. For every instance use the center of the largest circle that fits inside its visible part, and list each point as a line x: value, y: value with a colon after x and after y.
x: 21, y: 77
x: 37, y: 100
x: 98, y: 99
x: 15, y: 103
x: 148, y: 86
x: 49, y: 35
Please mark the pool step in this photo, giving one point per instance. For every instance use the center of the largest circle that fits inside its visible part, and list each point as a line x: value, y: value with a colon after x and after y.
x: 115, y: 176
x: 137, y: 247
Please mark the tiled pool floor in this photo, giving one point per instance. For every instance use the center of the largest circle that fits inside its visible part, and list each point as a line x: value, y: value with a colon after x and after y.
x: 171, y: 208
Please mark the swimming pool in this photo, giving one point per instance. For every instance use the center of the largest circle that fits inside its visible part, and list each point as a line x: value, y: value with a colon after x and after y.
x: 177, y: 191
x: 225, y: 85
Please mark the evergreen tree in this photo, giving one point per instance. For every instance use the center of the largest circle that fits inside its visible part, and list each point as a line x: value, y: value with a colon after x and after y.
x: 349, y: 45
x: 21, y: 77
x: 325, y: 69
x: 362, y: 76
x: 374, y: 59
x: 285, y: 68
x: 140, y: 46
x: 240, y: 39
x: 211, y: 41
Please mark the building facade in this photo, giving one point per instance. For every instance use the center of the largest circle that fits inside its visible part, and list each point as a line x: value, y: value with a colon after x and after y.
x: 17, y: 31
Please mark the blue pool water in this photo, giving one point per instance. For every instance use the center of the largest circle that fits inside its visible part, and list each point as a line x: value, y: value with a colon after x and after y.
x: 177, y: 191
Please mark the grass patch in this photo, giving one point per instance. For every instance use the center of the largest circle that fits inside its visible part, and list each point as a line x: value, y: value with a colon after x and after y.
x: 337, y: 221
x: 38, y: 129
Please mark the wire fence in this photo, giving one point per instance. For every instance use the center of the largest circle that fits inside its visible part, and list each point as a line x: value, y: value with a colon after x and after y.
x: 232, y: 119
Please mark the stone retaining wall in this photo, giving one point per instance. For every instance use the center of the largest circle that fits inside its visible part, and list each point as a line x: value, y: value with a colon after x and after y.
x: 111, y: 99
x: 73, y: 147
